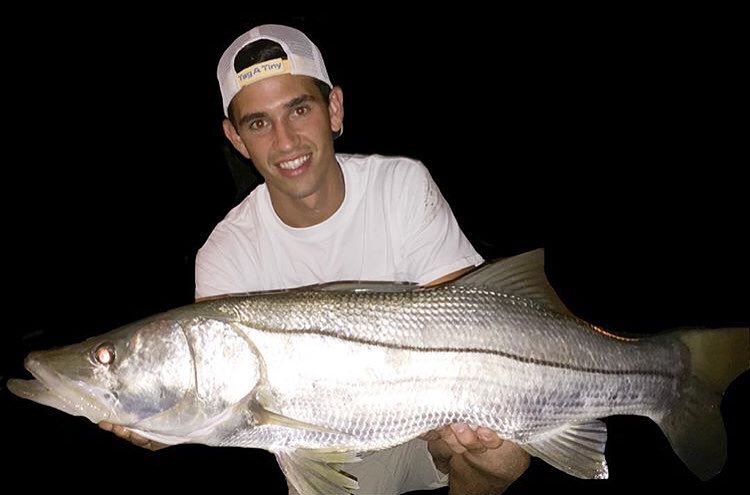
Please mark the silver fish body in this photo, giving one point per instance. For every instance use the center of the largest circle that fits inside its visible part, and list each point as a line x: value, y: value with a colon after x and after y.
x: 317, y: 375
x: 379, y: 368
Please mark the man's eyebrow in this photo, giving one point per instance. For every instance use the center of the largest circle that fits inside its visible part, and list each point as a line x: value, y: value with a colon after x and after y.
x: 250, y: 117
x: 299, y: 100
x: 290, y: 104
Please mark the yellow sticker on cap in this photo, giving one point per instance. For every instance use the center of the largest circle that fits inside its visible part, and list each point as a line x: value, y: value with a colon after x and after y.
x: 262, y: 70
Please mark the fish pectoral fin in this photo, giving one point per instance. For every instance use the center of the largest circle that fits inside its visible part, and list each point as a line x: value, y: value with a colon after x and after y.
x: 316, y: 472
x: 264, y: 416
x: 261, y: 412
x: 577, y: 449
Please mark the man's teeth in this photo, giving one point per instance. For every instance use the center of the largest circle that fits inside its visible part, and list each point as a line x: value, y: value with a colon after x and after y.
x: 292, y: 164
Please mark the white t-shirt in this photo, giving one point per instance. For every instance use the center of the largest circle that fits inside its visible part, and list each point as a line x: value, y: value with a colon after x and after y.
x: 393, y: 224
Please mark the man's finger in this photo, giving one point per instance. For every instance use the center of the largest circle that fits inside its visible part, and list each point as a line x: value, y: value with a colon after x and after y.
x: 489, y: 438
x: 131, y: 437
x: 121, y: 432
x: 430, y: 435
x: 139, y: 440
x: 449, y: 437
x: 468, y: 438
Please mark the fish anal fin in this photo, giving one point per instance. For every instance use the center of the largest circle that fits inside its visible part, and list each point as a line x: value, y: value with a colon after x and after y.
x: 317, y: 472
x: 577, y: 449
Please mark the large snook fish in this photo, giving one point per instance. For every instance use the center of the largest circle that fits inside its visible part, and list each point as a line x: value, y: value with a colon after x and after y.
x: 319, y: 374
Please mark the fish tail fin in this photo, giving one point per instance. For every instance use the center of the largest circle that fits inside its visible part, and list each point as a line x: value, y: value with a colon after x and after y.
x: 694, y: 426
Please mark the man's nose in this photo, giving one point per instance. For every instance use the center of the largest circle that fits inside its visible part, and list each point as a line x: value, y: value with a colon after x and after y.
x: 286, y: 135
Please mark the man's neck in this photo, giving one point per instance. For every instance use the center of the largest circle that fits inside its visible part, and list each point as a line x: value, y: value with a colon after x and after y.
x: 315, y: 208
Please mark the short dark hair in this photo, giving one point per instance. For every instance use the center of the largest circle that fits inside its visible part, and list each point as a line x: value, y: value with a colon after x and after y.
x: 262, y: 51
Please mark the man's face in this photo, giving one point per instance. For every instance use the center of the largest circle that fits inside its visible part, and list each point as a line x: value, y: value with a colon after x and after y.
x: 284, y: 126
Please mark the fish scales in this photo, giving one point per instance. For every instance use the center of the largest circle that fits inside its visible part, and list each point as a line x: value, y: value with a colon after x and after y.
x: 320, y: 374
x: 483, y: 341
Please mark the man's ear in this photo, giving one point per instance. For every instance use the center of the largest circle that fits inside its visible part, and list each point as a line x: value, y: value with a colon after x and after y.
x: 336, y: 108
x: 231, y: 133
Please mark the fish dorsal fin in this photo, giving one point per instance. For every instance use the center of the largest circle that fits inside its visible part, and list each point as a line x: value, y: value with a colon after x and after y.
x: 316, y: 471
x: 336, y: 286
x: 522, y: 275
x: 577, y: 449
x: 366, y: 286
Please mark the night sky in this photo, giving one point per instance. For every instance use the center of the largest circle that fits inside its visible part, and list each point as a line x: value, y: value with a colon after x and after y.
x: 611, y: 139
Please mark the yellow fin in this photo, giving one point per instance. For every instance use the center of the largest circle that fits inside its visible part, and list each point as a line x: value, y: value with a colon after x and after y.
x: 577, y: 449
x: 316, y: 472
x: 262, y: 411
x: 521, y: 275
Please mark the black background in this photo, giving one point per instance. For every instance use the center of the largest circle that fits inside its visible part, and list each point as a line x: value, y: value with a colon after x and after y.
x: 610, y: 138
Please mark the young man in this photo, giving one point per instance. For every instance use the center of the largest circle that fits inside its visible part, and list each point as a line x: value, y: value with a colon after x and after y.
x: 321, y: 217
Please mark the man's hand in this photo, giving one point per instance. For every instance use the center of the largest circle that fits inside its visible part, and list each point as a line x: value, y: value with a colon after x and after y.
x: 131, y: 437
x: 478, y: 462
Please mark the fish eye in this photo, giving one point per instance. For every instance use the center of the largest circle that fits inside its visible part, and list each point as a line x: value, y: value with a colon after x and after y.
x: 104, y: 353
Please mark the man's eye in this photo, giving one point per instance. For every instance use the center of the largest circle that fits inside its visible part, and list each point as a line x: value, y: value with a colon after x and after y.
x: 256, y: 125
x: 301, y: 110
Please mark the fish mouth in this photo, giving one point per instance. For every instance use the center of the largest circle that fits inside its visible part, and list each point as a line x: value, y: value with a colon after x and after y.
x: 54, y: 389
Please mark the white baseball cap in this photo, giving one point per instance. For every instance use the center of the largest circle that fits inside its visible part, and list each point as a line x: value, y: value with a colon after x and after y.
x: 303, y: 58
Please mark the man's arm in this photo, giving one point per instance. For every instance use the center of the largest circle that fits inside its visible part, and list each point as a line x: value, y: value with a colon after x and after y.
x: 449, y: 277
x: 477, y: 462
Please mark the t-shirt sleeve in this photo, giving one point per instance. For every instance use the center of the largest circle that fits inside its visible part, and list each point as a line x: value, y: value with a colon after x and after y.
x: 434, y: 244
x: 215, y: 274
